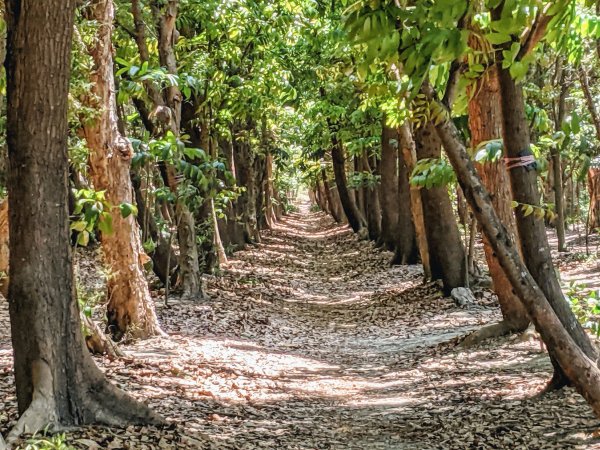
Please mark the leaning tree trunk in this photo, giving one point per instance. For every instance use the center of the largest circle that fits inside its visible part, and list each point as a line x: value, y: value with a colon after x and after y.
x: 485, y: 124
x: 130, y: 307
x: 355, y: 218
x: 532, y: 231
x: 56, y: 379
x: 446, y: 251
x: 579, y: 368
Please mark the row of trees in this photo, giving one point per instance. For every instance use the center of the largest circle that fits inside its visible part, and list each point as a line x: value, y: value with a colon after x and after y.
x: 175, y: 129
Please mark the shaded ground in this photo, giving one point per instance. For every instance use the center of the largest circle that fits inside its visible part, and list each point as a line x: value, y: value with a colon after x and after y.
x: 311, y: 341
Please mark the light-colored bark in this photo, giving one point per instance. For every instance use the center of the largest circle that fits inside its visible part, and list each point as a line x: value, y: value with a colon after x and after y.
x: 130, y: 307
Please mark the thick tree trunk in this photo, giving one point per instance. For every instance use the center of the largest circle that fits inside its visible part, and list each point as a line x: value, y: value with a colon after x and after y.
x: 405, y: 239
x: 409, y: 155
x: 388, y: 188
x: 130, y: 307
x: 580, y: 369
x: 355, y: 218
x: 532, y: 231
x: 56, y: 379
x: 446, y: 251
x: 485, y: 124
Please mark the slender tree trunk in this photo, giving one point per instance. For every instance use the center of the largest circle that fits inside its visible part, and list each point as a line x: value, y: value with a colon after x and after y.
x: 594, y: 190
x: 333, y: 208
x: 532, y: 231
x: 56, y: 379
x: 446, y: 251
x: 269, y: 213
x: 372, y: 204
x: 485, y: 124
x: 388, y: 188
x: 409, y: 155
x: 580, y: 369
x: 130, y: 307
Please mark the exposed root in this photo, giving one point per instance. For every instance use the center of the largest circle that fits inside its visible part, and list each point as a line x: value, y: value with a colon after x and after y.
x: 487, y: 332
x: 97, y: 342
x: 42, y: 410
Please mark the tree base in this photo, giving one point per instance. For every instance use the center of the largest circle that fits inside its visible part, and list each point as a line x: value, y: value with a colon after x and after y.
x: 487, y: 332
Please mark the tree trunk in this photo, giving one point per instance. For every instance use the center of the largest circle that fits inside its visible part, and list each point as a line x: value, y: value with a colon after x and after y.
x: 334, y: 209
x: 269, y: 213
x: 355, y: 218
x: 165, y: 16
x: 580, y: 369
x: 406, y: 250
x: 388, y: 188
x: 532, y: 232
x: 130, y: 307
x: 372, y: 204
x: 485, y: 124
x: 409, y: 155
x: 446, y: 251
x: 594, y: 190
x: 56, y: 379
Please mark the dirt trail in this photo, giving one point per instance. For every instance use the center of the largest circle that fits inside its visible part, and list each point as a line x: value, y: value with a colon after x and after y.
x: 311, y: 341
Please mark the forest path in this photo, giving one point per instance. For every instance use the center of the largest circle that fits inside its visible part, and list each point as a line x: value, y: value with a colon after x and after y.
x: 311, y: 341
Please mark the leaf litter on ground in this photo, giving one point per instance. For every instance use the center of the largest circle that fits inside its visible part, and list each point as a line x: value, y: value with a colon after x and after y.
x: 310, y: 340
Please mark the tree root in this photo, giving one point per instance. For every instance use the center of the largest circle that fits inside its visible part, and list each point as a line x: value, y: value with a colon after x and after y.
x: 487, y: 332
x: 97, y: 342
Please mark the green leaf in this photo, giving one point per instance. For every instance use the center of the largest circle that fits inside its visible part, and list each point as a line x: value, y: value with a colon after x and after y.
x: 79, y: 225
x: 127, y: 209
x: 83, y: 239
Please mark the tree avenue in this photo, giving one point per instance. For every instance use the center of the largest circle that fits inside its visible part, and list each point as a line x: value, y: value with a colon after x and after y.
x: 181, y: 175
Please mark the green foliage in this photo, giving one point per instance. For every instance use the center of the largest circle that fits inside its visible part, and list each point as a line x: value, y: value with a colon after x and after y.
x: 585, y: 304
x: 432, y: 172
x: 55, y: 442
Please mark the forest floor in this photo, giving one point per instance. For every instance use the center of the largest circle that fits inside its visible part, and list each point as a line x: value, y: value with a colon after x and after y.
x: 311, y: 341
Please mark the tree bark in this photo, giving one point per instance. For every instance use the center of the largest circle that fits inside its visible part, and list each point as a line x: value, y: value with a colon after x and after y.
x: 56, y: 379
x: 406, y: 250
x: 373, y: 206
x: 557, y: 164
x: 485, y: 124
x: 355, y: 218
x: 130, y: 307
x: 388, y: 188
x: 409, y: 155
x: 594, y: 190
x: 579, y: 368
x: 532, y: 231
x: 446, y: 251
x: 334, y: 209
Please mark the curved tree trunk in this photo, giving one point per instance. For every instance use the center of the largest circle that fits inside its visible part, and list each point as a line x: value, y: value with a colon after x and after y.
x: 56, y: 379
x: 485, y: 123
x: 446, y: 251
x: 130, y: 307
x: 532, y: 231
x: 355, y: 218
x: 580, y: 369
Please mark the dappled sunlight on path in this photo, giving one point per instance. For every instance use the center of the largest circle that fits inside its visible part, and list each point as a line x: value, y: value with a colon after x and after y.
x: 311, y: 341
